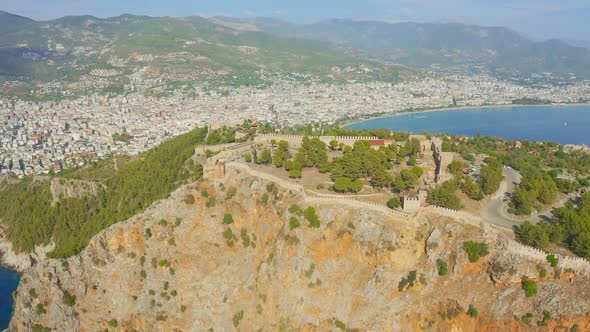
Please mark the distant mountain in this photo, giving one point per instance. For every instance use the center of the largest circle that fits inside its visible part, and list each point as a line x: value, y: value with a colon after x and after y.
x: 445, y: 45
x: 177, y: 51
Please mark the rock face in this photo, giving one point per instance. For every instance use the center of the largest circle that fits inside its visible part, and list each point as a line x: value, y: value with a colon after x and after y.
x: 183, y: 265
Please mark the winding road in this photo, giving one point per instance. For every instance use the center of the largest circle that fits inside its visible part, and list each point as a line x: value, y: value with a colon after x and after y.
x: 496, y: 210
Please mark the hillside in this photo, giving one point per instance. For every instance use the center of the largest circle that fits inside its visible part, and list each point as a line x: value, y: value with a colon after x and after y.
x: 225, y: 254
x: 154, y: 54
x: 444, y: 45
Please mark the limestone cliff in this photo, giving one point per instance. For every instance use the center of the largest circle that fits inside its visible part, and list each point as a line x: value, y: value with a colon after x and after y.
x: 179, y: 267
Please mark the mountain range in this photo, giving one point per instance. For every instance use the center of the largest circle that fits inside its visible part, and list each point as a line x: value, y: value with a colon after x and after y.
x: 164, y: 54
x: 439, y: 45
x: 167, y: 51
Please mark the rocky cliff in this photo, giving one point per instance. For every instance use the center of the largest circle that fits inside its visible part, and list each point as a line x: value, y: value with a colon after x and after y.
x: 229, y: 255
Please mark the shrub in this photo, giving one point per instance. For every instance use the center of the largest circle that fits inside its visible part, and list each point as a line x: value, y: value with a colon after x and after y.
x: 310, y: 215
x: 33, y: 293
x: 295, y: 174
x: 228, y: 219
x: 205, y: 193
x: 178, y: 221
x: 163, y: 223
x: 339, y: 324
x: 40, y: 328
x: 407, y: 281
x: 442, y: 267
x: 211, y: 202
x: 143, y: 274
x: 394, y: 203
x: 40, y: 309
x: 293, y: 223
x: 552, y: 260
x: 294, y: 208
x: 527, y: 318
x: 148, y: 233
x: 472, y: 312
x: 113, y: 323
x: 230, y: 193
x: 264, y: 198
x: 529, y: 286
x: 164, y: 262
x: 69, y: 299
x: 237, y: 318
x: 542, y: 273
x: 475, y: 250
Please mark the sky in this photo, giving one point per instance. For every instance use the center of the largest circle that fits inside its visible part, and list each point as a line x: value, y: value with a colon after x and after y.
x: 538, y: 19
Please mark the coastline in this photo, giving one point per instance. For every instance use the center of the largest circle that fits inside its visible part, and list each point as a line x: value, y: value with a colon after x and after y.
x: 447, y: 109
x: 20, y: 262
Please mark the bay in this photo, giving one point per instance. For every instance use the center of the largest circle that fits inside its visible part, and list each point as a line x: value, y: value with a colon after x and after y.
x: 560, y: 124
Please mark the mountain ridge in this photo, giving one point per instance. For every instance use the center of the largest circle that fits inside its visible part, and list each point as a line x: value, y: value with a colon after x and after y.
x: 446, y: 44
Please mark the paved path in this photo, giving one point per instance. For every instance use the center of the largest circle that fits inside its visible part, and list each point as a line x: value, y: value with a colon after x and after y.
x: 496, y: 211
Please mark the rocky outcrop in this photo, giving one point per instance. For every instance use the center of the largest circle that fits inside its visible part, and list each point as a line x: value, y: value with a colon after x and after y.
x: 237, y: 254
x: 68, y: 188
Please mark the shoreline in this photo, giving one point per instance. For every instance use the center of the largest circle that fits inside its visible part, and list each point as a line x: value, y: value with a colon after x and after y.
x: 458, y: 108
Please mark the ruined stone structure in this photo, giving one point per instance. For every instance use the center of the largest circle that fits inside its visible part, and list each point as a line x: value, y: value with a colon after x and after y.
x: 441, y: 159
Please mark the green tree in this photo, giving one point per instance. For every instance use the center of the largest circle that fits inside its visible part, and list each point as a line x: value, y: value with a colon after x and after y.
x: 381, y: 179
x: 455, y: 166
x: 491, y: 176
x: 475, y: 250
x: 394, y: 203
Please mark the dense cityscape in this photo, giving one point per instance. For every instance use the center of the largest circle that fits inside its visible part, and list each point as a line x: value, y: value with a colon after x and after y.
x: 38, y: 138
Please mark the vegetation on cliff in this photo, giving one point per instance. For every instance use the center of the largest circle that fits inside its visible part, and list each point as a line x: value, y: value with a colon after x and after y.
x: 26, y: 206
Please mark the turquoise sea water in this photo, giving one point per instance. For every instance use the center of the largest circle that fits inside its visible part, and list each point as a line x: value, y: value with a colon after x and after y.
x: 561, y: 124
x: 8, y: 283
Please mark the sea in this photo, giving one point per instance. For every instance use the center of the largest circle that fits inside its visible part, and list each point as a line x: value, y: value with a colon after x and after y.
x: 560, y: 124
x: 8, y: 282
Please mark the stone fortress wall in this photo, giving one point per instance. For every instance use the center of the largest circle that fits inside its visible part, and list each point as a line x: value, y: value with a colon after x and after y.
x: 229, y: 156
x: 296, y: 139
x: 311, y: 198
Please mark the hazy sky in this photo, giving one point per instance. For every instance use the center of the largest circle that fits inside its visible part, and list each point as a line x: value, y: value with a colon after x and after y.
x: 536, y: 18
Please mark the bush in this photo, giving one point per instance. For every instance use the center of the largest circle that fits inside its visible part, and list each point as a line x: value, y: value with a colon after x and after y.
x: 527, y: 318
x: 310, y: 215
x: 294, y: 223
x: 163, y: 223
x: 294, y: 208
x: 295, y: 174
x: 394, y: 203
x: 228, y: 219
x: 178, y: 221
x: 113, y: 323
x: 407, y: 281
x: 237, y: 318
x: 442, y: 267
x: 230, y: 193
x: 475, y: 250
x: 552, y: 260
x: 472, y: 312
x: 40, y: 309
x: 148, y: 233
x: 529, y: 286
x: 264, y: 198
x: 164, y: 262
x: 69, y: 299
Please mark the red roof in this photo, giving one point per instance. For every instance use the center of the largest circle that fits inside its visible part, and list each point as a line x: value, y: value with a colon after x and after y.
x: 377, y: 142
